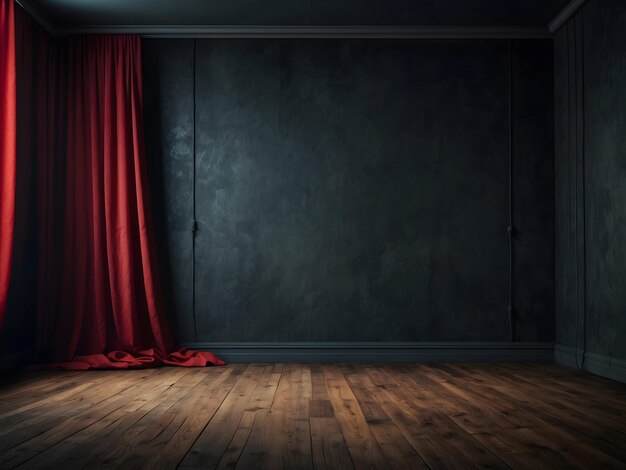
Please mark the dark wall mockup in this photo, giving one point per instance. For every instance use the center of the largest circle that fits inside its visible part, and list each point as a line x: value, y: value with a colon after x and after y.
x: 352, y: 190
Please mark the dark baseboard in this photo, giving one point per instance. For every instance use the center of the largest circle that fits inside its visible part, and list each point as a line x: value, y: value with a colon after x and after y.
x: 380, y: 352
x: 598, y: 364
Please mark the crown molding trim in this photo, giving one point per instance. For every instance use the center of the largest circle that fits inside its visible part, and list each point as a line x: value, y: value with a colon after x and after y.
x: 329, y: 32
x: 565, y: 14
x: 304, y: 32
x: 38, y: 15
x: 288, y: 32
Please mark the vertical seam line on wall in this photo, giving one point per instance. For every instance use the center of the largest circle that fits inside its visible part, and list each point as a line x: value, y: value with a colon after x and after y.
x: 194, y: 224
x: 510, y: 228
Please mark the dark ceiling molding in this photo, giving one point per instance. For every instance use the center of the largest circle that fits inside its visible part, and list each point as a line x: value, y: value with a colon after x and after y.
x: 566, y: 13
x: 38, y: 15
x: 356, y: 32
x: 360, y: 32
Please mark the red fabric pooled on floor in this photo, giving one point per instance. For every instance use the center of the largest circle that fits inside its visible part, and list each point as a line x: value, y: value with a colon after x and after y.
x: 140, y: 360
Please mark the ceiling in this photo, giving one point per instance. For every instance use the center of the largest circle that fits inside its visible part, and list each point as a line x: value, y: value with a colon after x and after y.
x: 71, y: 14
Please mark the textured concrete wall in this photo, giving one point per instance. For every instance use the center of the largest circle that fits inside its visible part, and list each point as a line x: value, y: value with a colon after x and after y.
x: 352, y: 190
x: 590, y: 87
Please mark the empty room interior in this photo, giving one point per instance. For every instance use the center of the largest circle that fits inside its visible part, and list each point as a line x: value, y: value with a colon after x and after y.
x: 326, y: 234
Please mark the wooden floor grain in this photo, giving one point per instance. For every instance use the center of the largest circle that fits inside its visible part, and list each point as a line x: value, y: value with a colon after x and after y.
x: 315, y: 416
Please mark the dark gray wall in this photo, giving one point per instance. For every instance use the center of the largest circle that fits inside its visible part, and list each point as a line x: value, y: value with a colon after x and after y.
x: 533, y: 190
x: 590, y: 84
x: 352, y: 190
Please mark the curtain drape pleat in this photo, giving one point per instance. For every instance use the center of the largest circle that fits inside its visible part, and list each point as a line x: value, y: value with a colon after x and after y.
x: 72, y: 127
x: 7, y: 147
x: 41, y: 68
x: 111, y: 310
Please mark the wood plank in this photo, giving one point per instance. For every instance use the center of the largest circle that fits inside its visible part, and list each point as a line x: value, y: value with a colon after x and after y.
x: 314, y: 416
x: 235, y: 447
x: 579, y: 396
x: 260, y: 402
x: 39, y: 401
x: 55, y: 414
x: 146, y: 388
x: 437, y: 427
x: 569, y: 422
x: 96, y: 440
x: 168, y: 431
x: 396, y: 449
x: 362, y: 444
x: 509, y: 452
x: 328, y: 446
x: 280, y: 437
x: 217, y: 434
x: 289, y: 416
x: 415, y: 426
x: 41, y: 385
x: 483, y: 396
x: 466, y: 414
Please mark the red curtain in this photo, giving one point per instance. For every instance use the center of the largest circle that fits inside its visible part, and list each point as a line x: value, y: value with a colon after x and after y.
x: 50, y: 95
x: 111, y: 311
x: 7, y: 147
x: 41, y: 69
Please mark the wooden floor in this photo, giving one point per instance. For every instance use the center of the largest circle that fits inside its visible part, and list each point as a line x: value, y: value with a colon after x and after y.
x: 322, y: 416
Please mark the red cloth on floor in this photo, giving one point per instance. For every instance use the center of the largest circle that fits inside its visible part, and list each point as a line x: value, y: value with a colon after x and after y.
x: 140, y: 360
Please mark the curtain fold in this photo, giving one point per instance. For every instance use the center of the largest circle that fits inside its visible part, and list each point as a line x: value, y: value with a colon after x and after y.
x: 41, y: 68
x: 76, y: 116
x: 7, y: 147
x: 111, y: 311
x: 51, y: 118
